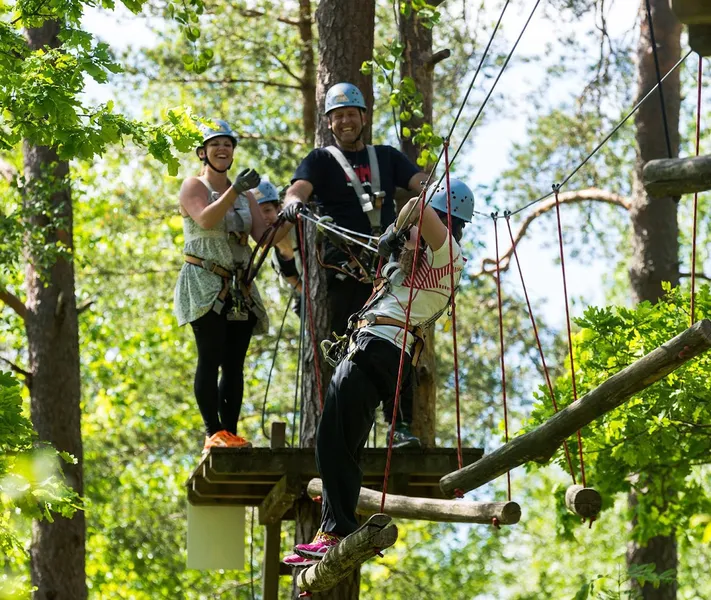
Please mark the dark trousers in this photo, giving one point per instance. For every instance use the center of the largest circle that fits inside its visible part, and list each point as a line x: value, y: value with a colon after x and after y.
x: 357, y: 387
x: 222, y: 346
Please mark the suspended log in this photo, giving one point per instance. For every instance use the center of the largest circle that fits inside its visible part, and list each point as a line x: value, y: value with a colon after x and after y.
x: 677, y: 176
x: 697, y: 15
x: 540, y: 444
x: 583, y: 501
x: 376, y: 535
x: 427, y: 509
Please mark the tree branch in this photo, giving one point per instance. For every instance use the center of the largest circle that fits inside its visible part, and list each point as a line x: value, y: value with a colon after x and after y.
x: 231, y: 80
x: 7, y: 171
x: 488, y: 265
x: 251, y: 13
x: 437, y: 57
x: 19, y: 370
x: 697, y: 275
x: 14, y: 303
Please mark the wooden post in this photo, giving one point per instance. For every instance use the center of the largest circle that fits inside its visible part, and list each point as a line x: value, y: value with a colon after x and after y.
x: 426, y: 509
x: 272, y: 541
x: 375, y: 535
x: 540, y: 444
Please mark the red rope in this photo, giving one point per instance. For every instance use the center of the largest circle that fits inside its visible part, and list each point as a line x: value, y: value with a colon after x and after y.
x: 312, y: 329
x: 556, y: 189
x: 501, y: 343
x: 402, y: 354
x: 696, y: 197
x: 454, y: 304
x: 538, y: 342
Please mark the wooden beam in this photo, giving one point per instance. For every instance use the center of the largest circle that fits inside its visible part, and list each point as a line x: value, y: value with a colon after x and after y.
x: 375, y: 535
x: 424, y: 509
x: 677, y: 176
x: 540, y: 444
x: 270, y: 512
x: 280, y: 499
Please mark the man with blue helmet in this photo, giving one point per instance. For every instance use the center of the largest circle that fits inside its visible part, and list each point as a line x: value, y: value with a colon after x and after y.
x: 368, y: 374
x: 286, y: 259
x: 354, y: 184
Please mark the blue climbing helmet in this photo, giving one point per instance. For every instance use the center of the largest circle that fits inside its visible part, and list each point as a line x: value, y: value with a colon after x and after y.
x: 462, y: 199
x: 217, y: 128
x: 266, y: 191
x: 342, y: 95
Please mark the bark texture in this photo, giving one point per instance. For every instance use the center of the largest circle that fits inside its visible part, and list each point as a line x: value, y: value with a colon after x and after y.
x: 345, y: 31
x: 655, y: 230
x: 58, y: 548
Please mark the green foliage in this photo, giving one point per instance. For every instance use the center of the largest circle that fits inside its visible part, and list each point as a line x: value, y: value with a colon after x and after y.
x: 606, y: 587
x: 655, y: 441
x: 31, y: 485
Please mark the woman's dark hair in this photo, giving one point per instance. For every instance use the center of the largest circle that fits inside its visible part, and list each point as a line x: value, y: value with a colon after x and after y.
x: 457, y: 224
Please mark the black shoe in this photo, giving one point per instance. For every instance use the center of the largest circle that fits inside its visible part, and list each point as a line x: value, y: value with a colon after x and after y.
x: 403, y: 437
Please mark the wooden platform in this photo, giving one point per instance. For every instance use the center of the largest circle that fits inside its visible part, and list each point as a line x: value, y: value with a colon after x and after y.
x: 247, y: 476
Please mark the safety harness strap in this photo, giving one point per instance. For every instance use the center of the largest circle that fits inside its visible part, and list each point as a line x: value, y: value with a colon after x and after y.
x: 416, y: 331
x: 370, y: 204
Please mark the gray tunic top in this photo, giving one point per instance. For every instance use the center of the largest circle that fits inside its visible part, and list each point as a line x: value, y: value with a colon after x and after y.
x: 197, y: 288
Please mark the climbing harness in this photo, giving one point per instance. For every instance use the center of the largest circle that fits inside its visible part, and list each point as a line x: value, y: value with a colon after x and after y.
x: 232, y: 284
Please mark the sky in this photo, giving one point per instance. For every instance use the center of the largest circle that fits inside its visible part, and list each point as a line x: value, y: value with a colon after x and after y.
x: 488, y: 152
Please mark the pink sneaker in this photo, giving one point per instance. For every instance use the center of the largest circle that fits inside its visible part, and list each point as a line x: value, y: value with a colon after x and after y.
x: 294, y: 560
x: 321, y: 544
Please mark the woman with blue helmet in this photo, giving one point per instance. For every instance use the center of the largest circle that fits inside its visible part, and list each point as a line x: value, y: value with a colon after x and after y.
x: 219, y: 215
x: 368, y: 374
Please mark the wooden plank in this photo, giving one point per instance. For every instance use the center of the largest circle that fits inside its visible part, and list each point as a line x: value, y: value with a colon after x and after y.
x: 375, y: 535
x: 540, y: 444
x: 677, y: 176
x: 442, y: 511
x: 280, y: 499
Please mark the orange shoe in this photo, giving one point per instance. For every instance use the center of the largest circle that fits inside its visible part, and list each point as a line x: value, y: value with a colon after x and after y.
x: 237, y: 441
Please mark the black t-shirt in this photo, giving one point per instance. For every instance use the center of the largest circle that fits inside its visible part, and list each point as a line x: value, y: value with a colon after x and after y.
x: 335, y: 194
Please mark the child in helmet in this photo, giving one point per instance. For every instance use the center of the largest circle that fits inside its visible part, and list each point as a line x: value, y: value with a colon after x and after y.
x: 219, y: 215
x: 368, y: 375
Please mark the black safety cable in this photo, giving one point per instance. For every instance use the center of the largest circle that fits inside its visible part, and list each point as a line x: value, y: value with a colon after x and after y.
x: 274, y: 357
x: 659, y: 77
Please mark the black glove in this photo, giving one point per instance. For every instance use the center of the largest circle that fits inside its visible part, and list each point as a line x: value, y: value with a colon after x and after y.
x: 292, y: 210
x: 391, y: 242
x: 245, y: 181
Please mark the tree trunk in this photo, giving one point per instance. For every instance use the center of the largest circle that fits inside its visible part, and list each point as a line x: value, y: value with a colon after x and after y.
x: 655, y: 231
x: 417, y: 41
x: 346, y: 32
x: 308, y: 65
x: 57, y: 553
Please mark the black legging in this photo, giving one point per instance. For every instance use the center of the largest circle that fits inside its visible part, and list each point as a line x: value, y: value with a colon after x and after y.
x: 221, y: 344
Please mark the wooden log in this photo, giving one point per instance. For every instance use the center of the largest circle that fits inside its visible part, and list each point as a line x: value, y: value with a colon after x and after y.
x: 692, y: 12
x: 540, y: 444
x: 375, y: 535
x: 677, y: 176
x: 583, y: 501
x: 425, y: 509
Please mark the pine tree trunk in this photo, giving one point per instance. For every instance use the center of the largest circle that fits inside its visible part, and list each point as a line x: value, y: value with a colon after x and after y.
x: 346, y: 32
x: 308, y: 78
x: 57, y: 552
x: 655, y: 237
x: 417, y: 41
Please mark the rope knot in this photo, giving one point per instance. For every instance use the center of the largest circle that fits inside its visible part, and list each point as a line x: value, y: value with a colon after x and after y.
x: 684, y: 353
x: 495, y: 523
x: 459, y: 493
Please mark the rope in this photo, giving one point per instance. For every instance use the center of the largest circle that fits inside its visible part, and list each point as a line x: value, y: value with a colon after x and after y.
x: 460, y: 461
x: 312, y: 329
x: 696, y: 195
x: 538, y: 343
x: 659, y: 76
x: 462, y: 104
x: 338, y: 233
x: 274, y: 356
x: 556, y: 189
x: 402, y: 358
x: 604, y: 141
x: 501, y: 343
x: 264, y: 243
